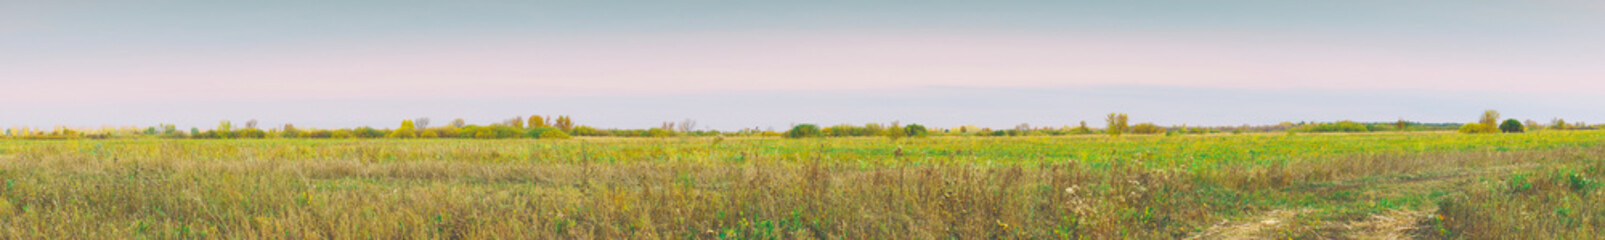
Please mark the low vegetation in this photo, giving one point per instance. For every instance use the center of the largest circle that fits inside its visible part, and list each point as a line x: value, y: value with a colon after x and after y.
x: 1526, y: 186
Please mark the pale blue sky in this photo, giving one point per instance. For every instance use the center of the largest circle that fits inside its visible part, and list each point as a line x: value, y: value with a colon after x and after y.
x: 635, y: 63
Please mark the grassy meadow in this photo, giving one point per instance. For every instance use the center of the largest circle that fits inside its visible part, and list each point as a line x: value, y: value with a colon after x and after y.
x: 1543, y: 185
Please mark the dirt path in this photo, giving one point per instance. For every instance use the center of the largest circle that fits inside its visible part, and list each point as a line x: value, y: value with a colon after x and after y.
x: 1264, y: 226
x: 1397, y: 224
x: 1393, y: 224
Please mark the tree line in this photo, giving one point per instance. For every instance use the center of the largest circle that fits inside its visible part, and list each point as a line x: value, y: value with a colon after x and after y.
x: 563, y: 127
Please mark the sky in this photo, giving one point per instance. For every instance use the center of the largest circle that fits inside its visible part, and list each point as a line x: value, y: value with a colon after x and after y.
x: 737, y: 64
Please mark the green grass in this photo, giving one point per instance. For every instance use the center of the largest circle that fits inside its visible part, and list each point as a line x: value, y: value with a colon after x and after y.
x: 1214, y: 186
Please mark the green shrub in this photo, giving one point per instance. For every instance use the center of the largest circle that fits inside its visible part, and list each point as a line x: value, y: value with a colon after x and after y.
x: 1339, y: 126
x: 588, y: 131
x: 366, y: 132
x: 803, y: 131
x: 546, y: 133
x: 484, y: 133
x: 916, y: 130
x: 1511, y: 126
x: 492, y: 132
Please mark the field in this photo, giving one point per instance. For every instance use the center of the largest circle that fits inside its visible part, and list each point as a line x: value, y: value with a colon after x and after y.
x: 1543, y: 185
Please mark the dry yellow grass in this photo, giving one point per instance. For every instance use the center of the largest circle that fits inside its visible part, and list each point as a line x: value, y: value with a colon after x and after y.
x: 780, y: 189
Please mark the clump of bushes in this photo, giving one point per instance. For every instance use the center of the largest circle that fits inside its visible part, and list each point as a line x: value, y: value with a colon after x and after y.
x: 1511, y: 126
x: 1339, y: 126
x: 588, y: 131
x: 916, y: 130
x: 803, y: 131
x: 1477, y: 128
x: 546, y: 133
x: 1147, y: 128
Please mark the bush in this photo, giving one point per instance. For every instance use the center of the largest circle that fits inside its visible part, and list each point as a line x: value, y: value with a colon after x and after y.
x: 317, y: 134
x: 491, y: 132
x: 916, y: 130
x: 1477, y: 128
x: 406, y: 131
x: 588, y: 131
x: 1511, y: 126
x: 367, y: 132
x: 546, y: 133
x: 484, y: 133
x: 554, y: 135
x: 1147, y: 128
x: 803, y: 131
x: 448, y: 132
x: 251, y: 133
x: 1340, y: 126
x: 341, y: 134
x: 659, y: 132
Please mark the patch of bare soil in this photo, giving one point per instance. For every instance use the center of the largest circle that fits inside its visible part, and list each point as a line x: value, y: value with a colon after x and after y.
x: 1264, y: 226
x: 1396, y: 224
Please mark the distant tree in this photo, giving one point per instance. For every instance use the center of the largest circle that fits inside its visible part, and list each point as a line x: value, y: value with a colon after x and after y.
x: 407, y: 130
x: 688, y: 125
x: 803, y: 131
x: 536, y: 121
x: 894, y: 131
x: 1511, y: 126
x: 916, y: 130
x: 1117, y: 124
x: 1490, y: 118
x: 1401, y: 125
x: 290, y: 131
x: 225, y: 129
x: 1081, y: 129
x: 517, y: 122
x: 1558, y: 124
x: 429, y: 134
x: 1530, y: 124
x: 458, y: 123
x: 421, y: 123
x: 251, y: 124
x: 194, y: 131
x: 564, y: 123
